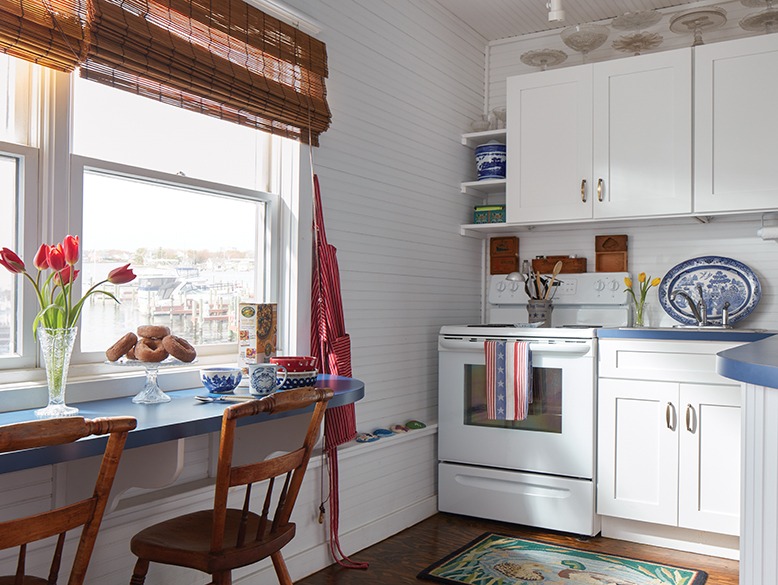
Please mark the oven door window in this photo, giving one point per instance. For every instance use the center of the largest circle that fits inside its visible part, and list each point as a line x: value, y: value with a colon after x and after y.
x: 545, y: 410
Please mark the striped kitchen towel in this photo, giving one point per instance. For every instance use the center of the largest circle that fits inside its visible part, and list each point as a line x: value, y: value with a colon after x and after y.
x: 508, y: 379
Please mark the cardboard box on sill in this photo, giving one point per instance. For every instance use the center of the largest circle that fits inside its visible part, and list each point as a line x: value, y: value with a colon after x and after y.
x: 257, y: 334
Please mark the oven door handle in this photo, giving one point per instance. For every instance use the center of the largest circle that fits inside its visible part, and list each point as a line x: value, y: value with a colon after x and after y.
x: 473, y: 344
x: 568, y: 348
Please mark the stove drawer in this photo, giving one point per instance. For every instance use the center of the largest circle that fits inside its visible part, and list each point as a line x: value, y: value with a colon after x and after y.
x: 542, y: 501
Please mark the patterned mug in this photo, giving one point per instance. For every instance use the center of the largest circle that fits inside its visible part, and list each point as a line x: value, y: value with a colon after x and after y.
x: 262, y: 378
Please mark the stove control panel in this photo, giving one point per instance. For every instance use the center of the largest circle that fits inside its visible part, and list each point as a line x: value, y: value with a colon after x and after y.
x: 586, y: 288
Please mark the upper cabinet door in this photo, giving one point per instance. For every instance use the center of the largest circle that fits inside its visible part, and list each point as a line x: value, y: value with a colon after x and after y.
x: 643, y: 135
x: 549, y: 145
x: 736, y: 125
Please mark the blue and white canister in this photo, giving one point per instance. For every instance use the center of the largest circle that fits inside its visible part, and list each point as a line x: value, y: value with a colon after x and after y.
x: 490, y: 160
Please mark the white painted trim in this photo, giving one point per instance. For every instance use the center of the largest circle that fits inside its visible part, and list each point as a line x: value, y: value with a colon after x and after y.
x: 288, y: 15
x: 695, y: 541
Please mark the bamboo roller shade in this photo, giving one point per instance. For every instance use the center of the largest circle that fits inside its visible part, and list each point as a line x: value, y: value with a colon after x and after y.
x: 222, y: 58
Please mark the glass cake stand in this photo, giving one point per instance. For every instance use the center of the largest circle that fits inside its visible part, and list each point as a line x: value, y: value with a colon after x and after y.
x: 151, y: 393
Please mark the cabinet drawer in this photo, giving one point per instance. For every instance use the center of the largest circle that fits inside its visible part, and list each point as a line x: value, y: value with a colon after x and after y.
x: 673, y: 361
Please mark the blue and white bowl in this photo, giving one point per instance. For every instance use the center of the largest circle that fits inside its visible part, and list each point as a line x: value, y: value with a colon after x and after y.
x: 298, y: 380
x: 220, y: 380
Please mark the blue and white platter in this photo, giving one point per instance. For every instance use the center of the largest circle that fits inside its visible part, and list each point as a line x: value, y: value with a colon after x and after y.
x: 722, y: 280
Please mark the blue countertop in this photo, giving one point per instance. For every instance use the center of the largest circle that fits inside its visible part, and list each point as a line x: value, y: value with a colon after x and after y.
x: 685, y: 334
x: 755, y: 363
x: 182, y: 417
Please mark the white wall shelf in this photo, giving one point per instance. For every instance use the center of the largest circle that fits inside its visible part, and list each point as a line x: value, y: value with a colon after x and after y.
x: 483, y: 187
x: 473, y: 139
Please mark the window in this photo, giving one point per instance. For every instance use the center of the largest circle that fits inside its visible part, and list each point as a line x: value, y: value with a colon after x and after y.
x: 196, y: 253
x: 185, y: 198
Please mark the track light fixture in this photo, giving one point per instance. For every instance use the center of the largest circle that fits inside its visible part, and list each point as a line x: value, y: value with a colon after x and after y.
x: 555, y: 11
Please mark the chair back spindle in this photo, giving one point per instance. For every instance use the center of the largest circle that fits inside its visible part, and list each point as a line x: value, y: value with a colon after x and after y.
x: 222, y: 539
x: 87, y: 513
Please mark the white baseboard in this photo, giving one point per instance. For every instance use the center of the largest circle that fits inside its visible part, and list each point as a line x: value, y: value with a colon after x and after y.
x: 695, y: 541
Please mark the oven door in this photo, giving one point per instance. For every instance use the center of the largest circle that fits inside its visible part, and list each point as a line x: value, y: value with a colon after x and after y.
x: 557, y: 437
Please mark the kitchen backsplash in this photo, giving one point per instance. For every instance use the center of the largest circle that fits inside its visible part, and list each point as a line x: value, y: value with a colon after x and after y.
x: 654, y: 248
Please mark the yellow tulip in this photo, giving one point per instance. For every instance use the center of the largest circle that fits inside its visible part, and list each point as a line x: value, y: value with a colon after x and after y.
x: 628, y: 281
x: 656, y: 281
x: 642, y: 277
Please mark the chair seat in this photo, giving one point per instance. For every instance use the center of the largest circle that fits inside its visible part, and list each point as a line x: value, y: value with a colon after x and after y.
x: 28, y: 580
x: 186, y: 541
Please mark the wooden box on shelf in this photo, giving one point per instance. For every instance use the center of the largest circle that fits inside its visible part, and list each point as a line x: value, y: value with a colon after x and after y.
x: 503, y: 255
x: 570, y: 265
x: 610, y: 253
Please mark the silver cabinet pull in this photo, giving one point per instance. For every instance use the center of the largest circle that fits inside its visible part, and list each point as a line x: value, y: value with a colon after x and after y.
x: 600, y: 189
x: 583, y: 190
x: 669, y: 416
x: 690, y: 418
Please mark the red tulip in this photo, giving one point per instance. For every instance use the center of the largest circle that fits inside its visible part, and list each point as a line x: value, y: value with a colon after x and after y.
x: 70, y: 248
x: 41, y: 260
x: 56, y: 258
x: 11, y: 261
x: 121, y: 275
x: 66, y: 276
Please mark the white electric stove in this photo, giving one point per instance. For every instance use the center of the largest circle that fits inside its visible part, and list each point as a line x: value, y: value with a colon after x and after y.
x: 539, y: 471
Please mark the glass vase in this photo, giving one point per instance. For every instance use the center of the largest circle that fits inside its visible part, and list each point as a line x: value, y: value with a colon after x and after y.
x: 640, y: 314
x: 56, y: 349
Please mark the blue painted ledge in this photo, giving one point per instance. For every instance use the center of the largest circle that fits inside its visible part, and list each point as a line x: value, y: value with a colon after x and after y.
x: 755, y: 363
x: 683, y: 334
x: 182, y: 417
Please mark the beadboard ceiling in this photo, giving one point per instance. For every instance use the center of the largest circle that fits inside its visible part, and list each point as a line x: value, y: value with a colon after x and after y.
x: 499, y: 19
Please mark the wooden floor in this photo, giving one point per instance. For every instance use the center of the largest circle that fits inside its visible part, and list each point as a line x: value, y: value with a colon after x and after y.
x: 398, y: 559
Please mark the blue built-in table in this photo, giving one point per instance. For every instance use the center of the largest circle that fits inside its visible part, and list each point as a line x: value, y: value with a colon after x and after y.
x: 182, y: 417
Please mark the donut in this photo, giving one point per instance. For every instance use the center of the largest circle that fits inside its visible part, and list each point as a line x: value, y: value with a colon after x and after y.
x: 153, y: 331
x: 121, y: 347
x: 150, y: 350
x: 179, y: 348
x: 131, y: 353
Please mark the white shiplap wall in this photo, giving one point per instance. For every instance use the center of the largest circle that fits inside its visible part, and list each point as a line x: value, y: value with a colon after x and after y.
x: 406, y: 79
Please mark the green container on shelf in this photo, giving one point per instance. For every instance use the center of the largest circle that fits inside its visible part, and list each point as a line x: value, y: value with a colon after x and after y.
x: 489, y: 214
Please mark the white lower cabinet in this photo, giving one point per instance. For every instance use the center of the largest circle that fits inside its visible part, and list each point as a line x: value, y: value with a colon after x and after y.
x: 668, y: 451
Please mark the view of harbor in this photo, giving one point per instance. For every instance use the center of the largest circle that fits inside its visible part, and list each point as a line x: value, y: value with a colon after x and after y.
x: 198, y: 302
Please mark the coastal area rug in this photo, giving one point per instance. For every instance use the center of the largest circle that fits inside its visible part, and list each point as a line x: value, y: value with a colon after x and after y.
x: 496, y: 559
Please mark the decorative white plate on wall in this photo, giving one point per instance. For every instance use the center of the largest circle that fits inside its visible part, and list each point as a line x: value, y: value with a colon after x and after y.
x: 722, y: 280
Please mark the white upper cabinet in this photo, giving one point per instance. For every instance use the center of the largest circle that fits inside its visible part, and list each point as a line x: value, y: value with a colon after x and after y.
x: 736, y: 125
x: 643, y: 135
x: 607, y: 140
x: 549, y: 146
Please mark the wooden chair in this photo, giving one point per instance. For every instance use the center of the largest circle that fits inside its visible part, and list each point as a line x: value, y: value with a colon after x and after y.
x: 87, y: 513
x: 222, y: 539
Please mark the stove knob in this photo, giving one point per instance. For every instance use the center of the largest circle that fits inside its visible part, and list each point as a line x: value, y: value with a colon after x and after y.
x: 514, y: 286
x: 615, y: 285
x: 501, y: 286
x: 599, y: 285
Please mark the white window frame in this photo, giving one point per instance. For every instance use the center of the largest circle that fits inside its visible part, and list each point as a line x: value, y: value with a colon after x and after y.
x: 270, y: 257
x: 26, y: 244
x: 53, y: 209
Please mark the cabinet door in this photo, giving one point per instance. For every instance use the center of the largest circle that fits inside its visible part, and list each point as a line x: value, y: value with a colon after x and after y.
x: 709, y: 458
x: 637, y: 450
x: 549, y: 145
x: 643, y: 135
x: 736, y: 125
